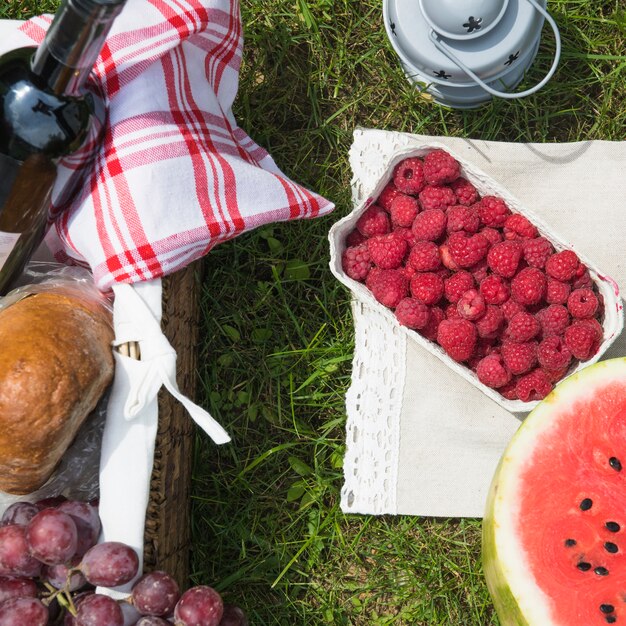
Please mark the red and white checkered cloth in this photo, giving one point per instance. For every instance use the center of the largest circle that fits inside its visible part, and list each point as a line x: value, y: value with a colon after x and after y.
x: 175, y: 175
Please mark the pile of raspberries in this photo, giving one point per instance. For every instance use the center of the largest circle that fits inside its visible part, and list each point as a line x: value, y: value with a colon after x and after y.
x: 466, y: 272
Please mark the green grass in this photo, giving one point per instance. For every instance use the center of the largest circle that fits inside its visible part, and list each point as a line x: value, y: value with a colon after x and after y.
x: 278, y: 336
x: 276, y: 360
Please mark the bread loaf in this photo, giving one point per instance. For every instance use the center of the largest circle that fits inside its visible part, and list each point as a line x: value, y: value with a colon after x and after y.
x: 55, y: 364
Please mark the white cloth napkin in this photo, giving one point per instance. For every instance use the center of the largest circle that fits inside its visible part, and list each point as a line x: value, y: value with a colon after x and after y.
x: 127, y: 452
x: 420, y: 439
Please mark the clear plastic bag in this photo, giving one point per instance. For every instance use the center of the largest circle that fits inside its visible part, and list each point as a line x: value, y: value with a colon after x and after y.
x: 76, y: 476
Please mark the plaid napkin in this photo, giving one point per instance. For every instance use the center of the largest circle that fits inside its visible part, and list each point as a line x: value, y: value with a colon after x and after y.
x: 175, y: 175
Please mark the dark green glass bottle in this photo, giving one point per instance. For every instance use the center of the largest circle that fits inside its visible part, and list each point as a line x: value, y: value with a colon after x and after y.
x: 47, y: 113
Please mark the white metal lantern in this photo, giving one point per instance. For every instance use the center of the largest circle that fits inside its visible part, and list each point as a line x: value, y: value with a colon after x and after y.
x: 467, y: 51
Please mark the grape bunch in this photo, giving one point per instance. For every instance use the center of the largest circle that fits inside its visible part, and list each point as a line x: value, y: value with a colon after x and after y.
x: 51, y: 562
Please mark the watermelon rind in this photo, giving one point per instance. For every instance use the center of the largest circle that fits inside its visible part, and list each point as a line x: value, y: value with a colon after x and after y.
x: 517, y: 599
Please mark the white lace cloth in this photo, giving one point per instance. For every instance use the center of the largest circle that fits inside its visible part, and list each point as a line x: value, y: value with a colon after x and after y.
x: 420, y: 439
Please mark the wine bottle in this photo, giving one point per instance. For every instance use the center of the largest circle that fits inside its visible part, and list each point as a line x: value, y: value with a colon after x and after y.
x: 48, y: 112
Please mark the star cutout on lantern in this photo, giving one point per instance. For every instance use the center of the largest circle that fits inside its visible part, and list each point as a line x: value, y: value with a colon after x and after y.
x: 512, y: 57
x: 472, y: 24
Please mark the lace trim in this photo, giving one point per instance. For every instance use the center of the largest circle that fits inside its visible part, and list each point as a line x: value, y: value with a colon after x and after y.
x: 373, y: 414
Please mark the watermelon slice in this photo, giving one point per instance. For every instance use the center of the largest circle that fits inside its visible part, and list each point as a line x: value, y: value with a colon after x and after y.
x: 554, y: 533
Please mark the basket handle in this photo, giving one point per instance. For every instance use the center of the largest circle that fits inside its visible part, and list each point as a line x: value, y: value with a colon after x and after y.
x: 503, y: 94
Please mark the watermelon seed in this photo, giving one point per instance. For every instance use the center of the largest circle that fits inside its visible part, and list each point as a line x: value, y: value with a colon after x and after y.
x: 586, y: 504
x: 607, y: 608
x: 583, y: 566
x: 570, y: 542
x: 614, y: 527
x: 615, y: 464
x: 609, y: 546
x: 610, y: 619
x: 601, y: 571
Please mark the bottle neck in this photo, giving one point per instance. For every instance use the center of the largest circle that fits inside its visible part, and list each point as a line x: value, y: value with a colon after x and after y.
x: 73, y: 42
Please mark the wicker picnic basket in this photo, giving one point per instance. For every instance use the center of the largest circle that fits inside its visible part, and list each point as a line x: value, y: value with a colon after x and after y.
x: 167, y: 538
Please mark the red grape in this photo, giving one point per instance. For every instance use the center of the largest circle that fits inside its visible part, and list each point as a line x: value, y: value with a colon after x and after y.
x: 57, y: 575
x: 109, y: 564
x: 99, y: 610
x: 52, y: 536
x: 50, y: 503
x: 233, y: 616
x: 17, y: 588
x: 87, y: 523
x: 19, y: 513
x: 15, y: 558
x: 23, y: 612
x: 155, y: 593
x: 152, y: 620
x: 199, y: 606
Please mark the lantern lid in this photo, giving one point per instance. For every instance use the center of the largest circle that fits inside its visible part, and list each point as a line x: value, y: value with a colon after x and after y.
x: 463, y: 19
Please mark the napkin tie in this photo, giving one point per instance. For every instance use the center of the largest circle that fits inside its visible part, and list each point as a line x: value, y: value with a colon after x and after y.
x: 135, y: 321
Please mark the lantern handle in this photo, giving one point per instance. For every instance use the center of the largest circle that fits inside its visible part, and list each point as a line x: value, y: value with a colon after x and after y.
x: 503, y: 94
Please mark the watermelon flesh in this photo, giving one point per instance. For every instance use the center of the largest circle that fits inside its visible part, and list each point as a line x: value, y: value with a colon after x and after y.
x: 554, y: 533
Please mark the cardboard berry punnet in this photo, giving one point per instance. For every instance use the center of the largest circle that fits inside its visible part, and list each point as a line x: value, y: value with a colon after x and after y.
x: 427, y: 231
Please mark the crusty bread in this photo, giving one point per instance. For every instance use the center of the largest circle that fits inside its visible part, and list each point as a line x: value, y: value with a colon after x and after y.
x: 55, y: 363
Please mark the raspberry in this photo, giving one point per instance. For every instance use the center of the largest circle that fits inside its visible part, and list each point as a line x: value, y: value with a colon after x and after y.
x: 508, y: 391
x: 412, y: 313
x: 452, y: 312
x: 511, y: 308
x: 462, y: 218
x: 480, y: 271
x: 495, y: 289
x: 387, y: 195
x: 430, y: 330
x: 582, y: 339
x: 534, y: 386
x: 356, y: 262
x: 493, y: 236
x: 488, y: 326
x: 472, y: 305
x: 388, y: 286
x: 519, y: 357
x: 504, y: 258
x: 493, y: 211
x: 424, y: 256
x: 492, y: 371
x: 403, y: 210
x: 553, y: 354
x: 458, y: 338
x: 407, y: 234
x: 436, y: 197
x: 529, y: 286
x: 429, y: 225
x: 387, y: 251
x: 457, y: 285
x: 537, y: 251
x: 446, y: 258
x: 562, y: 265
x: 582, y: 281
x: 408, y: 271
x: 354, y: 238
x: 557, y: 292
x: 464, y: 191
x: 517, y: 226
x: 467, y: 251
x: 554, y: 319
x: 522, y: 327
x: 554, y: 376
x: 582, y: 303
x: 409, y: 175
x: 427, y: 287
x: 373, y: 221
x: 440, y: 167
